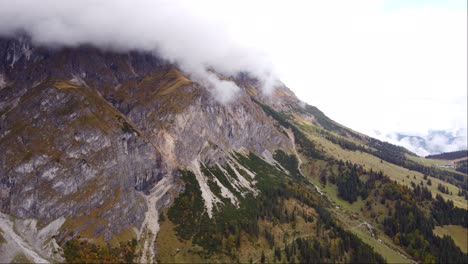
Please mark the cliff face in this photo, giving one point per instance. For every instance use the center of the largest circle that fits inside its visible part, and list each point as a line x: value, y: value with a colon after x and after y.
x: 92, y: 141
x: 127, y: 152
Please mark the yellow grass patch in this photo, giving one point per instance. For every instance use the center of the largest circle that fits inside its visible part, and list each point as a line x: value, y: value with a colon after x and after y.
x: 459, y: 234
x: 401, y: 175
x: 174, y: 80
x: 63, y: 85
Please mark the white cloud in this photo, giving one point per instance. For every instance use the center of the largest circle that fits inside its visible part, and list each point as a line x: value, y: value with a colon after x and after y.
x: 401, y: 71
x: 392, y: 66
x: 431, y: 142
x: 180, y: 31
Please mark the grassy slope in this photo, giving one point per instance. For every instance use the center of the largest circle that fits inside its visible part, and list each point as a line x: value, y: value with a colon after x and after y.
x: 459, y: 234
x: 454, y: 155
x: 349, y: 216
x: 323, y: 138
x: 428, y: 162
x: 401, y: 175
x: 173, y: 248
x: 435, y: 163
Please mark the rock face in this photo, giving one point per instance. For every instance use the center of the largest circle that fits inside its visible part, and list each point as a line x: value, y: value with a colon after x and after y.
x: 68, y: 153
x: 88, y: 136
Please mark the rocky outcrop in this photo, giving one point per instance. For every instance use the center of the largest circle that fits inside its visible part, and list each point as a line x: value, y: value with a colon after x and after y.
x: 68, y: 153
x: 96, y: 138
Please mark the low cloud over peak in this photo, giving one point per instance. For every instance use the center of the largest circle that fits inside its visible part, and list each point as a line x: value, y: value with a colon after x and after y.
x: 177, y: 30
x: 393, y: 66
x: 432, y: 142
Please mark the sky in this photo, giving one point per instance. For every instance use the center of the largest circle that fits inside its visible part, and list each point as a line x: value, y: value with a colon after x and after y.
x: 380, y: 67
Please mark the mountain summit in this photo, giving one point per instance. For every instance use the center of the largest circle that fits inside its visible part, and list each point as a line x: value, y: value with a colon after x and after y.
x: 121, y: 157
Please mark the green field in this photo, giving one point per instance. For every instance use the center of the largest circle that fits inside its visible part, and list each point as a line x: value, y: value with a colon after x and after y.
x: 459, y: 234
x: 428, y: 162
x: 348, y: 214
x: 433, y: 163
x: 390, y: 255
x: 402, y: 175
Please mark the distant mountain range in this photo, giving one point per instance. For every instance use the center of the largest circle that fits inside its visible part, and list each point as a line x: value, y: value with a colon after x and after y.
x: 434, y: 142
x: 450, y: 155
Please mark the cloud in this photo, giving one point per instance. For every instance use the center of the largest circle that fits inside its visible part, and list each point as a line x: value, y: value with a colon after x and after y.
x: 395, y: 66
x: 431, y: 142
x: 191, y: 35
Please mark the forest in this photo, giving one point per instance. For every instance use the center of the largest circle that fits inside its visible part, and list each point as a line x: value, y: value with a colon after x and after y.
x: 79, y: 250
x: 449, y: 155
x: 222, y: 232
x: 406, y: 223
x: 462, y: 166
x: 383, y: 150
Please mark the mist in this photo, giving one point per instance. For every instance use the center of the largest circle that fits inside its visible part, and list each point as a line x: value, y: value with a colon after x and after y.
x: 432, y: 142
x: 392, y: 66
x: 177, y: 31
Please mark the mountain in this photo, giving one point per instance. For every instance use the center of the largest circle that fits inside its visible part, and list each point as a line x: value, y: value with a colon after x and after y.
x: 121, y: 156
x: 450, y: 155
x: 434, y: 142
x: 457, y: 160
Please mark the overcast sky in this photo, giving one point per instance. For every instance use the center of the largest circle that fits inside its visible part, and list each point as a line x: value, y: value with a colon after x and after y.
x: 379, y: 67
x: 386, y: 66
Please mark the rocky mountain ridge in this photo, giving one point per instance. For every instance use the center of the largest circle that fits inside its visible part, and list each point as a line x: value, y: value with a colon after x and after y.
x: 92, y: 135
x: 121, y: 156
